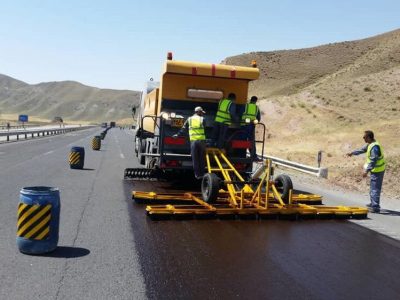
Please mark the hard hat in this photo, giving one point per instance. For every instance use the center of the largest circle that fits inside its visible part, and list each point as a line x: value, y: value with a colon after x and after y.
x: 199, y: 108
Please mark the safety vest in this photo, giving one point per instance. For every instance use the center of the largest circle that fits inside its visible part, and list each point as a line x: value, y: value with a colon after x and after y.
x: 250, y: 112
x: 380, y: 163
x: 196, y: 128
x: 223, y: 115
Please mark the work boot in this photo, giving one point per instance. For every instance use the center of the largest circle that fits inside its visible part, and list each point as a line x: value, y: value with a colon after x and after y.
x: 375, y: 210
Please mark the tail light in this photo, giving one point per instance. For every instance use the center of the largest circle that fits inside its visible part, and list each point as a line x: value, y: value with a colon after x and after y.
x: 239, y: 144
x: 174, y: 141
x: 170, y: 164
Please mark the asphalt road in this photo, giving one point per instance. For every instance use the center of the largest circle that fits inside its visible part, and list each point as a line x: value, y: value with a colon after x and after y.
x: 109, y: 248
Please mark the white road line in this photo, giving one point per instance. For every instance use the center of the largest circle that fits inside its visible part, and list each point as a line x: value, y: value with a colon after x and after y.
x: 119, y: 147
x: 47, y: 153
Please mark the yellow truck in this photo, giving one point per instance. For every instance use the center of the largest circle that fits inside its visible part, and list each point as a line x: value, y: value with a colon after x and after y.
x: 165, y: 105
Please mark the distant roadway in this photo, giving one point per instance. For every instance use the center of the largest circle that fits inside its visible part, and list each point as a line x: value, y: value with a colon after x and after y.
x: 110, y: 249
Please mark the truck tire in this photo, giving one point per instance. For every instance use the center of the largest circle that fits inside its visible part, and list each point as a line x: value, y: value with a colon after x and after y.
x: 142, y: 158
x: 284, y: 184
x: 209, y: 187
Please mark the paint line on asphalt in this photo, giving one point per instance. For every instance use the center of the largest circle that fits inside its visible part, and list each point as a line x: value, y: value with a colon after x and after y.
x: 119, y: 147
x: 47, y: 153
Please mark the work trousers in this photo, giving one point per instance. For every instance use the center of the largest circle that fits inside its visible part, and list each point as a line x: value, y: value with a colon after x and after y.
x: 375, y: 188
x: 250, y: 136
x: 219, y: 134
x: 198, y: 153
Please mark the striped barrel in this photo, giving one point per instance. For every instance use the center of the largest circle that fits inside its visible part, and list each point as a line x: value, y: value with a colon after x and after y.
x: 38, y: 219
x: 96, y: 143
x: 77, y: 157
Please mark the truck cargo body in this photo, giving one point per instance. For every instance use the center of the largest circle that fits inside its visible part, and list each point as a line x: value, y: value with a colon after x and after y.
x: 165, y: 107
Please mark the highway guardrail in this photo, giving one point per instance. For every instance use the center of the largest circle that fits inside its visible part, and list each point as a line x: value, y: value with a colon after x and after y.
x: 17, y: 126
x: 319, y: 172
x: 40, y: 132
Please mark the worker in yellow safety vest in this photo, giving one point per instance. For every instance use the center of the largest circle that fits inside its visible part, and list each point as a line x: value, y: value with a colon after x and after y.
x: 223, y: 119
x: 375, y: 165
x: 195, y: 126
x: 250, y: 117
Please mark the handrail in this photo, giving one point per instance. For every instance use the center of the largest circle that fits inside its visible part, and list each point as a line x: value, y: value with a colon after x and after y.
x: 319, y: 172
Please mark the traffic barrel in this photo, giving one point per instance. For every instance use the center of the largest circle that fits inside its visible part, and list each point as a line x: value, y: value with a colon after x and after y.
x: 96, y: 143
x: 38, y: 219
x: 77, y: 157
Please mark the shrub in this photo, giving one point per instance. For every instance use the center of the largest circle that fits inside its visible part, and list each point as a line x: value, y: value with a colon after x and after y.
x: 367, y: 89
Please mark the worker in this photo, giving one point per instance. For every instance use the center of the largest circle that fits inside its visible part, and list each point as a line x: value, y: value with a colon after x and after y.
x: 223, y: 119
x: 375, y: 165
x: 250, y: 116
x: 195, y: 125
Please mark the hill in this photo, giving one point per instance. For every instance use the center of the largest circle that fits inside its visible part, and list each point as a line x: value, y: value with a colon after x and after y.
x: 323, y: 98
x: 71, y: 100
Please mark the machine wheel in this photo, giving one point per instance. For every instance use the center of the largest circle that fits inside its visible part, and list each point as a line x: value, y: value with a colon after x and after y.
x: 283, y: 184
x: 210, y: 187
x: 142, y: 158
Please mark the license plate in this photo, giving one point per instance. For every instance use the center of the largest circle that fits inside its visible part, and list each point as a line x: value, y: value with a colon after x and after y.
x: 177, y: 122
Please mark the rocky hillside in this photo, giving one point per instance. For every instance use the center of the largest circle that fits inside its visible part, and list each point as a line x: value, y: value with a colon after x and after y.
x: 323, y: 98
x: 68, y: 99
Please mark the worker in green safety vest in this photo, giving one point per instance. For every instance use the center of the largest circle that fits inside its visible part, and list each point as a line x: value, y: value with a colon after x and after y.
x: 250, y: 117
x: 375, y: 165
x: 223, y: 119
x: 195, y: 126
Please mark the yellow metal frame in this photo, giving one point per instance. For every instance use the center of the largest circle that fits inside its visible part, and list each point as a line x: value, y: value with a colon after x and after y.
x: 243, y: 201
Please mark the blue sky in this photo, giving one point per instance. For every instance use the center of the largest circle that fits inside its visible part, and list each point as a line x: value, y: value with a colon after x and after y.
x: 120, y: 44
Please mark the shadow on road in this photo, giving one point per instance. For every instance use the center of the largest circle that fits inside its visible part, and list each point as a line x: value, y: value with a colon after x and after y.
x: 67, y: 252
x: 388, y: 212
x: 88, y: 169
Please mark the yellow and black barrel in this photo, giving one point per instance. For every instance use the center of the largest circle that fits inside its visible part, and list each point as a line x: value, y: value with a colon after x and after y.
x: 77, y: 157
x: 96, y: 143
x: 38, y: 219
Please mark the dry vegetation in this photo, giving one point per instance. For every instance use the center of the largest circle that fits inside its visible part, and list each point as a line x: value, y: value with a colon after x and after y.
x: 323, y: 98
x: 72, y: 101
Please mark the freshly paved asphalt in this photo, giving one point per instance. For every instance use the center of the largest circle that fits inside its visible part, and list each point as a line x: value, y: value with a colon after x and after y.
x: 109, y: 248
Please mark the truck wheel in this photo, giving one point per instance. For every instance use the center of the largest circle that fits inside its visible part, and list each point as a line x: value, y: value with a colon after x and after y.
x: 210, y: 187
x: 283, y: 184
x: 142, y: 158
